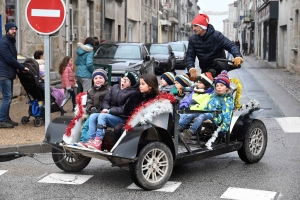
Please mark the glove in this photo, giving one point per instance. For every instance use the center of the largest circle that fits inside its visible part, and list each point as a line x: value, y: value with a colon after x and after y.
x: 69, y: 88
x: 76, y: 86
x: 94, y: 110
x: 193, y: 74
x: 221, y: 134
x: 237, y: 61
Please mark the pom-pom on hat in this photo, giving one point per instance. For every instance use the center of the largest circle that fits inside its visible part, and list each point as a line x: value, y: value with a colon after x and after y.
x: 206, y: 78
x: 184, y: 81
x: 10, y: 25
x: 100, y: 72
x: 201, y: 20
x: 168, y: 77
x: 223, y: 78
x: 133, y: 77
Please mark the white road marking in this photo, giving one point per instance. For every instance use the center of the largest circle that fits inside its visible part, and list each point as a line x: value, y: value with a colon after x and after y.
x: 247, y: 194
x: 2, y: 172
x: 289, y: 124
x: 42, y: 175
x: 65, y: 178
x: 45, y: 13
x: 170, y: 186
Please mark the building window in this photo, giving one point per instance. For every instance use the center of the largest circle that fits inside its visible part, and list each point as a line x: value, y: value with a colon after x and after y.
x: 10, y: 11
x: 150, y: 3
x: 146, y: 2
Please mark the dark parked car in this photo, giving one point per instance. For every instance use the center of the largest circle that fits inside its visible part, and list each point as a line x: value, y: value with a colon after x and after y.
x: 179, y: 50
x: 163, y: 56
x: 123, y: 57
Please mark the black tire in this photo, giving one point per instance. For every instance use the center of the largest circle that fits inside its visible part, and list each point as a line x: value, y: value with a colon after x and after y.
x: 143, y: 166
x: 255, y: 143
x: 37, y: 122
x: 25, y: 120
x: 69, y: 162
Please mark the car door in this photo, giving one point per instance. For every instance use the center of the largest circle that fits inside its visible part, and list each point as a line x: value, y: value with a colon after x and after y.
x: 148, y: 61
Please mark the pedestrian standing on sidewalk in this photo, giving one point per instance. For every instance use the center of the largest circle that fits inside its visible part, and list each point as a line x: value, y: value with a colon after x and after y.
x: 208, y: 44
x: 85, y: 63
x: 68, y: 81
x: 8, y: 70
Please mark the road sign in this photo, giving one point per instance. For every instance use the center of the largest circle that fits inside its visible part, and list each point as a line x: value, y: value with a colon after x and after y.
x: 45, y: 17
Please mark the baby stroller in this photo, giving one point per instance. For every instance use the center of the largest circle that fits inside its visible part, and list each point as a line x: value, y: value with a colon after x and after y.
x: 34, y: 88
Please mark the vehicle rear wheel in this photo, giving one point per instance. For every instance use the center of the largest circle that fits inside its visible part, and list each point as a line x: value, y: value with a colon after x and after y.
x: 154, y: 166
x: 255, y: 143
x: 68, y: 161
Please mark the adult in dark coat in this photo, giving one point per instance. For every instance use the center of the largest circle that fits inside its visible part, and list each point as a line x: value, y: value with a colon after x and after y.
x: 237, y: 43
x: 8, y: 70
x: 208, y: 44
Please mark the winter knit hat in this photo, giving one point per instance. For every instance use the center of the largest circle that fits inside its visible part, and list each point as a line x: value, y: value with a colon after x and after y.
x: 133, y: 77
x: 223, y: 78
x: 100, y: 72
x: 10, y: 25
x: 182, y: 80
x: 168, y: 77
x: 201, y: 20
x: 206, y: 78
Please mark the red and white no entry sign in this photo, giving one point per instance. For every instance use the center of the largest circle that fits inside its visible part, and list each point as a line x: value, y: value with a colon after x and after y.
x: 45, y: 17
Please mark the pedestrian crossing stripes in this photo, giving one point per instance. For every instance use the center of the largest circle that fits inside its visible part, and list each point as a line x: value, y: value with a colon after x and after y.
x: 247, y: 194
x: 289, y: 124
x: 61, y: 178
x: 2, y: 172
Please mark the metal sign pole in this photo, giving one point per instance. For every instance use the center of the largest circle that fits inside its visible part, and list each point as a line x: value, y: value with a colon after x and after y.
x: 47, y: 81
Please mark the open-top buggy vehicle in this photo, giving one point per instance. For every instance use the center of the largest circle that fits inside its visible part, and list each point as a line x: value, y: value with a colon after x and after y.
x: 151, y: 145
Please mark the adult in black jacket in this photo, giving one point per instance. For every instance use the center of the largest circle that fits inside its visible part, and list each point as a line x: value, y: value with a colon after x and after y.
x: 8, y: 70
x: 208, y: 44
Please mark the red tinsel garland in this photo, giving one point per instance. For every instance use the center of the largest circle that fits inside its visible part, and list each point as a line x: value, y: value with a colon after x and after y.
x: 78, y: 116
x: 143, y: 105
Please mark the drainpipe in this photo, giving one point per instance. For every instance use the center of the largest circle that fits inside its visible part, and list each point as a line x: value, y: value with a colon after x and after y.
x: 18, y: 25
x: 125, y: 20
x: 102, y: 36
x: 67, y: 28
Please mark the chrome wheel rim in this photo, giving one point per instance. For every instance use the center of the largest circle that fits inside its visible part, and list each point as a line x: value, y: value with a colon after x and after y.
x: 256, y: 141
x: 155, y: 165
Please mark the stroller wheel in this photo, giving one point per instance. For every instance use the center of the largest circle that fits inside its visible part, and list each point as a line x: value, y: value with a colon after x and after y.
x: 25, y: 120
x: 37, y: 122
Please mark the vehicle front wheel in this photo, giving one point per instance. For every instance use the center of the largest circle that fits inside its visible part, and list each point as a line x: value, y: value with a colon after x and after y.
x: 68, y: 161
x: 255, y: 143
x: 154, y: 166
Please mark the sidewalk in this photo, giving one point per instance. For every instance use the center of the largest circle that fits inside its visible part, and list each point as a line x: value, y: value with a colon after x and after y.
x: 29, y: 139
x: 26, y: 138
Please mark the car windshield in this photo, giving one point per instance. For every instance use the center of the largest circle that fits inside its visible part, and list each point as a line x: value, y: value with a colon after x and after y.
x: 113, y: 51
x: 177, y: 47
x: 156, y: 49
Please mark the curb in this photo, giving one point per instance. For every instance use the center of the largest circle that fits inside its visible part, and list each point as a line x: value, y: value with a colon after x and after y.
x: 30, y: 148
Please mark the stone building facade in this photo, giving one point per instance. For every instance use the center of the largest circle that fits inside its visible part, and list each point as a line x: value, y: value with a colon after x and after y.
x: 111, y: 20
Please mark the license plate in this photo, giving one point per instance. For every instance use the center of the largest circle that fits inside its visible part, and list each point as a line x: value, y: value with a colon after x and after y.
x: 115, y: 79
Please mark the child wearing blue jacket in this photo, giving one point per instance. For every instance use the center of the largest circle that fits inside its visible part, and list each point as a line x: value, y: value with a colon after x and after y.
x: 222, y: 99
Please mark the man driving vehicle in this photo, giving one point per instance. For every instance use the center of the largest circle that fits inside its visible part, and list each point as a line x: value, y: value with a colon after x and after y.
x: 208, y: 44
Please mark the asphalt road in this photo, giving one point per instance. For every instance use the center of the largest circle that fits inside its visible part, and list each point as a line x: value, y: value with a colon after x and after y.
x: 209, y: 179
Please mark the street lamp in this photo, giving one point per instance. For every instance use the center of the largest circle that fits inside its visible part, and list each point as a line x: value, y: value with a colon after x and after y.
x: 157, y: 13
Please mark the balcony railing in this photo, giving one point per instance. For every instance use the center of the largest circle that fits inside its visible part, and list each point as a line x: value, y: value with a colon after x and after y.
x: 236, y: 24
x: 173, y: 16
x: 248, y: 16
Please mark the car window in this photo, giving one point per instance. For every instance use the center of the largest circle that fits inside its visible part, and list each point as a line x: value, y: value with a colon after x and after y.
x: 112, y: 51
x: 155, y: 49
x: 177, y: 47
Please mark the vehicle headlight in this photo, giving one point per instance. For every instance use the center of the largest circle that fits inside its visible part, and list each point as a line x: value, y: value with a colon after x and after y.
x: 164, y: 61
x: 180, y: 57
